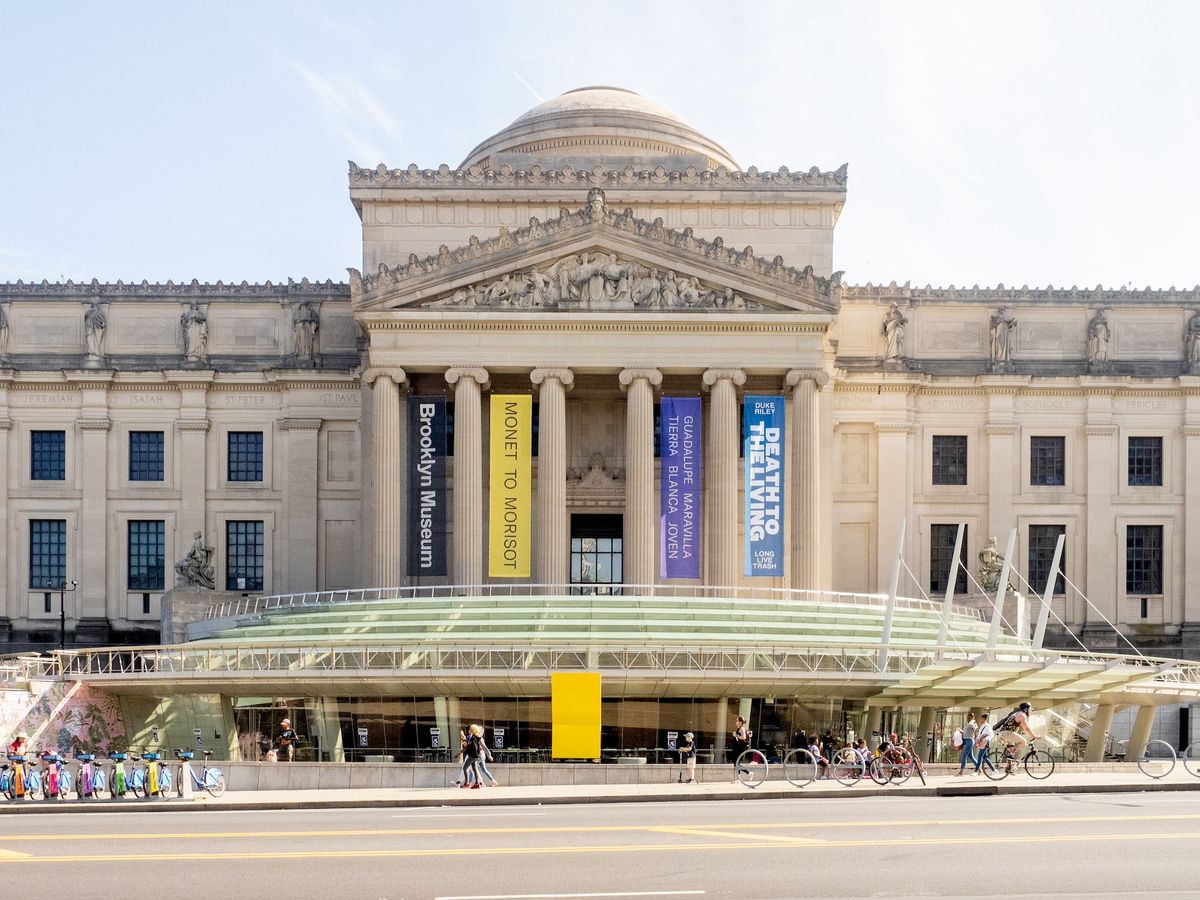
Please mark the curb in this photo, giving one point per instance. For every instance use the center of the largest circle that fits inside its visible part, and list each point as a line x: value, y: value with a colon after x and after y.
x: 198, y: 804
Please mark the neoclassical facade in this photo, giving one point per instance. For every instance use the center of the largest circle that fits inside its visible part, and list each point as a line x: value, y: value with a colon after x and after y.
x: 599, y: 255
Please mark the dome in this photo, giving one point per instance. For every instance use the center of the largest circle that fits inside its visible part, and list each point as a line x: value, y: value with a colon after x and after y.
x: 607, y: 125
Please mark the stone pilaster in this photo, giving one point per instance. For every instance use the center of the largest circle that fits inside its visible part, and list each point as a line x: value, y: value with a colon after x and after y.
x: 1102, y: 457
x: 387, y: 453
x: 721, y: 475
x: 806, y: 533
x: 551, y: 556
x: 641, y: 531
x: 10, y: 609
x: 894, y: 476
x: 300, y: 439
x: 1191, y: 533
x: 467, y: 556
x: 94, y: 599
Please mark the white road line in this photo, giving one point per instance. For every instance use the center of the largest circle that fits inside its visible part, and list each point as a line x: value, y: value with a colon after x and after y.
x: 556, y: 896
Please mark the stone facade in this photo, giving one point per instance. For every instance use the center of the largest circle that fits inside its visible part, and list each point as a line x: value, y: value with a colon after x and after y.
x: 598, y: 273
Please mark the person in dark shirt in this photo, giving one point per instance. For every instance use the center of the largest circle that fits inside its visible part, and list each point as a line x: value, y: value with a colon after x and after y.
x: 285, y: 741
x: 687, y: 756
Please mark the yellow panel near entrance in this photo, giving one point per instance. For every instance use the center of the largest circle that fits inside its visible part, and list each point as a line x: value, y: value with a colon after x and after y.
x: 575, y: 715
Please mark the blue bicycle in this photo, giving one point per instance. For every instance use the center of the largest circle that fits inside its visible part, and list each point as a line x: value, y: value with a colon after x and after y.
x: 209, y: 779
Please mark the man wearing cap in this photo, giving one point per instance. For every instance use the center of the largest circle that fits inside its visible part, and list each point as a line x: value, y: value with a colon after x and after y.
x: 286, y: 741
x: 687, y: 756
x: 1010, y: 727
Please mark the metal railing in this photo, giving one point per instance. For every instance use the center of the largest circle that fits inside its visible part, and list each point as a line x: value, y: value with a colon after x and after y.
x: 247, y: 606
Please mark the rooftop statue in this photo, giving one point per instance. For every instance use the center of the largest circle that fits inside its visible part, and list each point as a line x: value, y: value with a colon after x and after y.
x: 196, y: 569
x: 991, y: 564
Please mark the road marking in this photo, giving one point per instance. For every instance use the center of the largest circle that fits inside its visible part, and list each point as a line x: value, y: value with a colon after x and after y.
x: 12, y: 854
x: 549, y: 896
x: 468, y: 815
x: 161, y: 857
x: 707, y: 832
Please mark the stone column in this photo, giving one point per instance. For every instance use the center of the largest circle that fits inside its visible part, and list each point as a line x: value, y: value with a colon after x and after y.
x: 300, y: 439
x: 188, y: 469
x: 924, y: 727
x: 387, y: 459
x: 641, y: 521
x: 467, y: 557
x: 874, y: 724
x: 551, y: 556
x: 10, y: 609
x: 1143, y: 725
x: 1101, y: 726
x: 721, y: 475
x: 806, y: 533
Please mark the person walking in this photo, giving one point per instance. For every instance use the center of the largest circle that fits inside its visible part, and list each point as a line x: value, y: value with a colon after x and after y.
x: 286, y: 742
x: 983, y: 739
x: 470, y: 766
x: 484, y: 754
x: 687, y: 757
x: 968, y: 744
x: 741, y: 743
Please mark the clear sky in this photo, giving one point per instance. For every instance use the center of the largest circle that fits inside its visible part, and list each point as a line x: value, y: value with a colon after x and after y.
x: 1024, y: 143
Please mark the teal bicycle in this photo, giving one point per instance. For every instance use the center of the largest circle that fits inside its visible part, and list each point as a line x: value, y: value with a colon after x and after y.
x: 209, y: 779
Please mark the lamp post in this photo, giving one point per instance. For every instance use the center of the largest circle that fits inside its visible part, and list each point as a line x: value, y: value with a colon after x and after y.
x: 63, y: 590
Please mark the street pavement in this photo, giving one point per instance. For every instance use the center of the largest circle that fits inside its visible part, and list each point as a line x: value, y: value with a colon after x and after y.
x: 1044, y: 845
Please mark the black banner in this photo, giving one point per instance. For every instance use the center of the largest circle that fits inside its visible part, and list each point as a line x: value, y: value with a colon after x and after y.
x: 427, y: 485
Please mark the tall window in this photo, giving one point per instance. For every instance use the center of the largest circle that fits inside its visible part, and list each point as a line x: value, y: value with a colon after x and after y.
x: 941, y: 554
x: 145, y: 456
x: 1145, y: 461
x: 596, y: 554
x: 1048, y: 461
x: 245, y: 456
x: 950, y: 459
x: 146, y: 569
x: 1042, y: 541
x: 48, y: 455
x: 1143, y: 559
x: 47, y: 553
x: 243, y: 556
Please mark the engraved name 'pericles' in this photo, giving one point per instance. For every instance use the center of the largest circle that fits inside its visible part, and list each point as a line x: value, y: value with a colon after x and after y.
x: 596, y: 281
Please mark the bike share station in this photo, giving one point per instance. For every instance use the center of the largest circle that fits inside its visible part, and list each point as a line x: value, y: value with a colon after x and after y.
x: 385, y: 679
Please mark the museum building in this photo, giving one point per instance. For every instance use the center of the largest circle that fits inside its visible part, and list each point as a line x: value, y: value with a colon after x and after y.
x: 695, y: 406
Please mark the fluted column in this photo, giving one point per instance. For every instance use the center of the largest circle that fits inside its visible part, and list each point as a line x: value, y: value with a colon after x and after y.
x: 387, y: 453
x: 721, y: 475
x: 806, y: 533
x: 641, y: 531
x: 551, y: 548
x: 467, y: 559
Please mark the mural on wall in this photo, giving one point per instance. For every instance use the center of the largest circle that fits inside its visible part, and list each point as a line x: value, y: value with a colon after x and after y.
x: 65, y: 717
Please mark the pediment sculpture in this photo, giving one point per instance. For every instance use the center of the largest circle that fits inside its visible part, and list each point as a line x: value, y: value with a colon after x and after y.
x: 596, y: 282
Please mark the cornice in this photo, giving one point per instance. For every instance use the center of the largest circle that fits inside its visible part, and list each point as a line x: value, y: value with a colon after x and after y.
x: 573, y: 324
x: 105, y: 291
x: 688, y: 178
x: 1013, y: 296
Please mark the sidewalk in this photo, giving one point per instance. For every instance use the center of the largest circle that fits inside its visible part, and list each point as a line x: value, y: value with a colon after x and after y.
x: 939, y: 785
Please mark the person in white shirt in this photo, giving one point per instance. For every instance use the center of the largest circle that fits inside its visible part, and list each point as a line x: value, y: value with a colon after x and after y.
x: 968, y: 744
x: 983, y: 739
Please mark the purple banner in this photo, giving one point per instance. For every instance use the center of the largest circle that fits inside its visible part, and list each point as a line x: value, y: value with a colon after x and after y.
x: 679, y: 545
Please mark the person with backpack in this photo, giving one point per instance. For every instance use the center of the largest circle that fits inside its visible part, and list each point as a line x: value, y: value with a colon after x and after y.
x: 1010, y: 727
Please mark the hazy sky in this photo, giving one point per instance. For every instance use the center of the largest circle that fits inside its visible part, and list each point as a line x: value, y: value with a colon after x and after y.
x: 1013, y: 142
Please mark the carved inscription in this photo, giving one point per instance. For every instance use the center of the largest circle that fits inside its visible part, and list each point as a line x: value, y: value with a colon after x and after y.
x: 952, y: 402
x: 45, y: 398
x: 1049, y: 403
x: 339, y: 397
x: 254, y: 401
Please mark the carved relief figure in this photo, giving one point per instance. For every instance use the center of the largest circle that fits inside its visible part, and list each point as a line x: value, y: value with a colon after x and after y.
x: 991, y: 564
x: 893, y: 334
x: 194, y: 325
x: 1191, y: 343
x: 3, y: 332
x: 1098, y: 337
x: 94, y: 324
x: 196, y: 569
x: 306, y: 324
x: 1002, y: 327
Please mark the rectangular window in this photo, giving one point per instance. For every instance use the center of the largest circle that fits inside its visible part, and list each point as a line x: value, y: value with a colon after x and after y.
x: 47, y: 553
x: 145, y: 456
x: 1048, y: 461
x: 245, y: 456
x: 48, y: 455
x: 243, y: 556
x: 1042, y: 541
x: 949, y: 459
x: 941, y: 554
x: 1145, y: 461
x: 1143, y: 559
x: 146, y: 557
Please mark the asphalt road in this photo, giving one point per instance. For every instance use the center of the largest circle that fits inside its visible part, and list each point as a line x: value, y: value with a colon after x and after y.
x: 1069, y: 845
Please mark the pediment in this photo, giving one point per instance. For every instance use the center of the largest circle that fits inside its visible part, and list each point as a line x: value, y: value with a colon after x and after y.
x: 595, y: 260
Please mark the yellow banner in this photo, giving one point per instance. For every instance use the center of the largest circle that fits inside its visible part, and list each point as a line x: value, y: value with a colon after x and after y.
x: 575, y: 715
x: 510, y: 514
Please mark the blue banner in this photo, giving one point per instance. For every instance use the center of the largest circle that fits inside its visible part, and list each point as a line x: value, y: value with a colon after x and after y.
x: 763, y: 523
x: 426, y: 486
x: 680, y: 507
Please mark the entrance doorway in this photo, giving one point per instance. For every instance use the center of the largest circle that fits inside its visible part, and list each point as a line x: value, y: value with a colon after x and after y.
x: 596, y: 554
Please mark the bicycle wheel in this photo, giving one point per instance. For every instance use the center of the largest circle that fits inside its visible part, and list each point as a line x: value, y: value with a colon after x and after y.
x: 33, y: 788
x: 64, y: 785
x: 1190, y: 761
x: 752, y: 768
x: 1157, y: 760
x: 995, y: 766
x: 899, y: 768
x: 99, y: 784
x: 1039, y: 764
x: 8, y: 784
x: 164, y: 783
x: 799, y: 768
x: 877, y: 771
x: 214, y: 782
x: 137, y: 783
x: 847, y: 767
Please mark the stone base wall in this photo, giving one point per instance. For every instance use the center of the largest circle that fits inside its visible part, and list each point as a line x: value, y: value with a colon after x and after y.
x: 180, y: 607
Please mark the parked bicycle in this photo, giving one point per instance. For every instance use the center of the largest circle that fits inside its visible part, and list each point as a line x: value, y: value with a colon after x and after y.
x: 892, y: 765
x: 209, y: 779
x: 91, y: 780
x: 20, y: 779
x: 117, y: 776
x: 56, y: 777
x: 156, y: 781
x: 1037, y: 763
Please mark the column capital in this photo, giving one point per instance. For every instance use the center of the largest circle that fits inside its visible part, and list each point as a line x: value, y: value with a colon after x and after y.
x: 795, y: 377
x: 1000, y: 429
x: 478, y: 375
x: 628, y: 376
x: 373, y: 373
x: 565, y: 377
x: 895, y: 428
x: 94, y: 423
x: 712, y: 376
x: 297, y: 423
x: 6, y: 424
x: 1099, y: 430
x: 193, y: 424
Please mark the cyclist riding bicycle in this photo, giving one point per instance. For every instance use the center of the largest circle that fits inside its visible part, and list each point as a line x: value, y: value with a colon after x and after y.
x: 1009, y: 731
